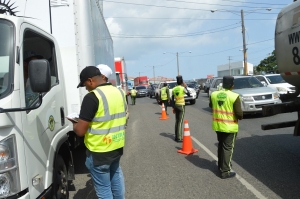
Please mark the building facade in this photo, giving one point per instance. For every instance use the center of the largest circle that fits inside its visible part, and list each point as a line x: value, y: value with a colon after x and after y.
x: 234, y: 68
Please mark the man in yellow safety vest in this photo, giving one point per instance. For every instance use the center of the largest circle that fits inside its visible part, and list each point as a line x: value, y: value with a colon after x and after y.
x: 226, y: 110
x: 133, y: 95
x: 102, y: 121
x: 165, y: 96
x: 178, y: 105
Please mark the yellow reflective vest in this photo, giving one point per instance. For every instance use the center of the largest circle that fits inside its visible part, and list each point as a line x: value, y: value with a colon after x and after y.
x: 224, y: 119
x: 106, y: 132
x: 133, y: 92
x: 178, y: 93
x: 163, y: 93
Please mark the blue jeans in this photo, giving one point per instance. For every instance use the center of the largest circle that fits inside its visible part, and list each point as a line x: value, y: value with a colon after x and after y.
x: 108, y: 179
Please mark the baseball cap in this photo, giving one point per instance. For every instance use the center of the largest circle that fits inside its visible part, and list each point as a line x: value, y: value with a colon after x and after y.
x: 88, y: 72
x: 29, y: 54
x: 105, y: 70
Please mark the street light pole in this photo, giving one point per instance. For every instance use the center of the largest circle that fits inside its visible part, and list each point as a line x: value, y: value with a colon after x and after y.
x: 177, y: 64
x: 154, y: 74
x: 244, y: 45
x: 229, y: 67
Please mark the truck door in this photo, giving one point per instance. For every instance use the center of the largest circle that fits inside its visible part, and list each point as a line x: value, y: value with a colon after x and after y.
x: 42, y: 124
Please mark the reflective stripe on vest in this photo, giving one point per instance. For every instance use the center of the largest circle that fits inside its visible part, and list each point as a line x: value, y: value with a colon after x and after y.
x: 224, y: 119
x: 178, y: 92
x: 163, y: 94
x: 106, y: 132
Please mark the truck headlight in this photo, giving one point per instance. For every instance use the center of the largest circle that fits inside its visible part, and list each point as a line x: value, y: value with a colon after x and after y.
x: 246, y: 98
x: 9, y: 172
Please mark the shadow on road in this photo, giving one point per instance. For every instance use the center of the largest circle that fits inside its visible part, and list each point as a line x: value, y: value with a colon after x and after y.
x: 168, y: 135
x: 86, y: 193
x: 265, y: 158
x: 203, y: 163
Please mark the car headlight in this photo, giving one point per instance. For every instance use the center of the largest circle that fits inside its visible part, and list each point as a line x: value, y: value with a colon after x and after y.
x: 9, y: 172
x: 276, y: 95
x: 246, y: 98
x: 281, y: 89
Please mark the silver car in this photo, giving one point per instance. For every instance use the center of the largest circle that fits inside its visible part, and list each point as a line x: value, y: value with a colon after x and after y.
x: 253, y: 93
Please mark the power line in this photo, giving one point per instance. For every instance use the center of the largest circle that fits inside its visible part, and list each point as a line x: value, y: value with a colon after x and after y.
x: 255, y: 2
x: 179, y: 35
x: 159, y: 18
x: 181, y: 7
x: 228, y: 49
x: 190, y: 2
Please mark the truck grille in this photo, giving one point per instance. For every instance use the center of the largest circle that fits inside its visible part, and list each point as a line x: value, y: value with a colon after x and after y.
x: 262, y: 97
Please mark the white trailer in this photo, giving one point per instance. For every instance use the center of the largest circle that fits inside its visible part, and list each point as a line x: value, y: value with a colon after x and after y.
x: 36, y: 140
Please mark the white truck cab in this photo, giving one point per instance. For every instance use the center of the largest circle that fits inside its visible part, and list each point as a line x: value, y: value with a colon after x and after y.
x: 36, y: 139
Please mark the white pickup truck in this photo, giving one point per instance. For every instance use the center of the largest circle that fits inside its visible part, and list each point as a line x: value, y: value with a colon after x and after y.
x: 171, y: 85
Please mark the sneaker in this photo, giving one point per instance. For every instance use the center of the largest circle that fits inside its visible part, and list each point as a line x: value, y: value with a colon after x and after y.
x: 229, y: 175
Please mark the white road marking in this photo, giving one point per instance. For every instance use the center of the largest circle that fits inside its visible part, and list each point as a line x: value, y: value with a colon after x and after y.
x: 242, y: 180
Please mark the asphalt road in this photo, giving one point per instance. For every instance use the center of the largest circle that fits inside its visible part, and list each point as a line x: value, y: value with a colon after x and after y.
x: 267, y: 163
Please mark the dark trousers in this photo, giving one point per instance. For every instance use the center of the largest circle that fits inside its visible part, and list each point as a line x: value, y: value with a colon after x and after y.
x: 225, y: 151
x: 179, y: 115
x: 165, y: 102
x: 133, y: 100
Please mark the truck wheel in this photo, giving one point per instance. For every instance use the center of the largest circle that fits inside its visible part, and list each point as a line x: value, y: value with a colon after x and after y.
x: 192, y: 101
x: 60, y: 179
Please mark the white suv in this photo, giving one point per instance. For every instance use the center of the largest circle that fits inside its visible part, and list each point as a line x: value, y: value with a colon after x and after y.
x: 171, y: 85
x: 276, y: 82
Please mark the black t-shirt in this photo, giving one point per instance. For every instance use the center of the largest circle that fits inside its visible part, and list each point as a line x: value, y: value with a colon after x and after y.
x: 88, y: 111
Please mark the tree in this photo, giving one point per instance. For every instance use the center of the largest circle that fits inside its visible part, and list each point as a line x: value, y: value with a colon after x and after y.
x: 267, y: 65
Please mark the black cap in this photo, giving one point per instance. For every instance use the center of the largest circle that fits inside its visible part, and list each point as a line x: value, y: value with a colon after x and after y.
x: 179, y: 79
x: 88, y: 72
x: 228, y: 81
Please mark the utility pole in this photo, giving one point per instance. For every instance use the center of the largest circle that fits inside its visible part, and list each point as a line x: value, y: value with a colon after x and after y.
x: 229, y: 66
x: 244, y: 45
x: 154, y: 74
x: 177, y: 64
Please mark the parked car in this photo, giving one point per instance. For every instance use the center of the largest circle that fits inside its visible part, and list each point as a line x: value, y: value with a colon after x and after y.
x: 253, y: 93
x: 195, y: 86
x: 276, y: 82
x: 171, y: 84
x: 151, y: 90
x: 142, y: 91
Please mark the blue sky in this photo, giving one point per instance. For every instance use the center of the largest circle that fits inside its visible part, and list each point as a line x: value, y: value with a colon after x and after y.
x: 143, y: 30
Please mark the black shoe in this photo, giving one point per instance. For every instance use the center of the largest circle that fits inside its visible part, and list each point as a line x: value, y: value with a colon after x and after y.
x: 229, y: 175
x: 177, y: 140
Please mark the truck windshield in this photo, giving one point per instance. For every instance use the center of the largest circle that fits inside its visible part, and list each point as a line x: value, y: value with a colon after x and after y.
x: 6, y: 57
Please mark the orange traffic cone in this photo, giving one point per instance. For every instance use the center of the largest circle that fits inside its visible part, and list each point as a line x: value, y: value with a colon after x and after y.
x: 163, y: 113
x: 187, y: 146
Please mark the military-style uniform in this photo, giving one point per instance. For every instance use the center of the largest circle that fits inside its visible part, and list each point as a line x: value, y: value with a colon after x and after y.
x: 178, y: 104
x: 133, y: 96
x: 225, y: 112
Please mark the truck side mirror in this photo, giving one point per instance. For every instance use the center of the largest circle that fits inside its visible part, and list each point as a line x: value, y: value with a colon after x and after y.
x: 39, y: 75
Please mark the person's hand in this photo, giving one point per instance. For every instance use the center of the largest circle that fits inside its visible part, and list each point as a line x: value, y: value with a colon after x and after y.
x: 184, y: 84
x: 174, y: 111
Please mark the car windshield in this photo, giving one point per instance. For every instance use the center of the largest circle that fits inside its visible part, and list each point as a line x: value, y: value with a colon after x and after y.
x: 172, y: 84
x: 140, y: 87
x: 191, y: 85
x: 246, y: 82
x: 275, y: 79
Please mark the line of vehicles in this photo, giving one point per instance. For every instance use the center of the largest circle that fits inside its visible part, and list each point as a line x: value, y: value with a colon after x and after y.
x: 36, y: 140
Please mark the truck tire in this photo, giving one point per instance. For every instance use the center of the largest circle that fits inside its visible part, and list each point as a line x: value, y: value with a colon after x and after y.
x: 60, y: 179
x: 192, y: 101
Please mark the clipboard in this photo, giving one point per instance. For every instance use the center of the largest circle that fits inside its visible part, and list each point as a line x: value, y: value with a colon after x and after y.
x: 74, y: 120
